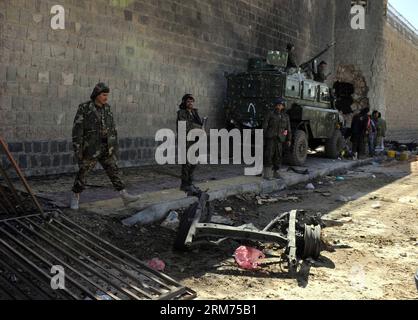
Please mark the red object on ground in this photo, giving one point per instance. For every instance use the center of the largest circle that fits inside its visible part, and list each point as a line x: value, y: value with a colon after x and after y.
x: 248, y: 258
x: 156, y: 264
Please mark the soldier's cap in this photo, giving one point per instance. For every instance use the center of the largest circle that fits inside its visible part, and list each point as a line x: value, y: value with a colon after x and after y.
x: 98, y: 90
x: 278, y: 101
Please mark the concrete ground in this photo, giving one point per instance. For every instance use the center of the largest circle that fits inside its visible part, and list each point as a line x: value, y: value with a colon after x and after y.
x: 374, y: 241
x: 158, y: 186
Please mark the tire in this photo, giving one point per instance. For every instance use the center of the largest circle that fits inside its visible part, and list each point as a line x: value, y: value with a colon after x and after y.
x: 335, y: 145
x: 299, y: 150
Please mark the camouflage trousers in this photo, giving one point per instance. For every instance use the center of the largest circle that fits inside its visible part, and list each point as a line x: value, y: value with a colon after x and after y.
x: 187, y: 174
x: 273, y: 153
x: 108, y: 163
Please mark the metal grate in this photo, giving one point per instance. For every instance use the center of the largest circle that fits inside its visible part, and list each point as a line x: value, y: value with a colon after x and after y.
x: 33, y: 241
x: 94, y: 269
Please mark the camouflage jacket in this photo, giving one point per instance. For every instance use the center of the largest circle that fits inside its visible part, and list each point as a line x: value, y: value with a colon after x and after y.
x: 192, y: 119
x: 92, y: 129
x: 277, y: 125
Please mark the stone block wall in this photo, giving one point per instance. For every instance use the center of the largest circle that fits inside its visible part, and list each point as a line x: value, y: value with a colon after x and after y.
x: 150, y: 52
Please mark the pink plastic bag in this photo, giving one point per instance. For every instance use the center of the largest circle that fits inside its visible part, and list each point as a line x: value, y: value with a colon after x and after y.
x: 248, y: 258
x: 156, y: 264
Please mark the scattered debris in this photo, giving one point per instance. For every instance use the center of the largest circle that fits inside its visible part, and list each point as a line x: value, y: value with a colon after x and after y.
x: 228, y: 210
x: 299, y: 171
x: 340, y: 178
x: 261, y: 200
x: 103, y: 296
x: 172, y: 222
x: 346, y: 220
x: 310, y: 186
x: 344, y: 199
x: 403, y: 255
x: 326, y: 194
x: 221, y: 220
x: 248, y: 258
x: 156, y: 264
x: 346, y: 214
x: 376, y: 206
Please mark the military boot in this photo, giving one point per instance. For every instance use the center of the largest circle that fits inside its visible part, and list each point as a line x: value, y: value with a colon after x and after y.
x: 268, y: 173
x: 191, y: 190
x: 75, y: 201
x: 128, y: 198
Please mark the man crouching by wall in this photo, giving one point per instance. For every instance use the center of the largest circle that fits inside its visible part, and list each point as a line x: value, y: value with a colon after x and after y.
x: 95, y: 140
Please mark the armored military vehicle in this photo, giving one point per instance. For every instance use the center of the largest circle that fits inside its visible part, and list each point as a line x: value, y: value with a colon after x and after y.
x: 314, y: 120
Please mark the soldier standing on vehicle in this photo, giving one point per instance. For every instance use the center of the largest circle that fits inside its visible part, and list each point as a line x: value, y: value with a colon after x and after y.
x: 277, y: 131
x: 189, y: 114
x: 321, y: 76
x: 291, y: 60
x: 95, y: 140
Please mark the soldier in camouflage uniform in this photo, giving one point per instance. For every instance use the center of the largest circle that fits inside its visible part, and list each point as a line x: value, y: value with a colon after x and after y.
x: 189, y: 114
x: 95, y: 140
x: 292, y: 65
x: 277, y: 131
x: 321, y: 76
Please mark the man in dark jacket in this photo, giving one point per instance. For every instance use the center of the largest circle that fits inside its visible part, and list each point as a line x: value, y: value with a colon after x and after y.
x: 277, y: 131
x: 190, y: 116
x: 358, y: 131
x: 95, y: 140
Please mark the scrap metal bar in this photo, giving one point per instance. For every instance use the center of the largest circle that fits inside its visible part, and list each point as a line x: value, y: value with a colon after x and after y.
x: 91, y: 269
x: 275, y: 221
x: 22, y: 177
x: 215, y: 230
x: 292, y: 238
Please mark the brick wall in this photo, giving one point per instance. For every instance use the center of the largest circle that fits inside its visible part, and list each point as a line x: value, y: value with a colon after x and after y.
x: 401, y: 84
x: 149, y: 52
x: 363, y: 49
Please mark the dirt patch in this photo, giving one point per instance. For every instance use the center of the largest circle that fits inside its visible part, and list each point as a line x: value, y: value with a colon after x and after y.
x: 375, y: 253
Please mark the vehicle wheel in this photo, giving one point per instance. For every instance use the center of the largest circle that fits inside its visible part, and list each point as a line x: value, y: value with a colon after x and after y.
x: 299, y: 150
x: 335, y: 145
